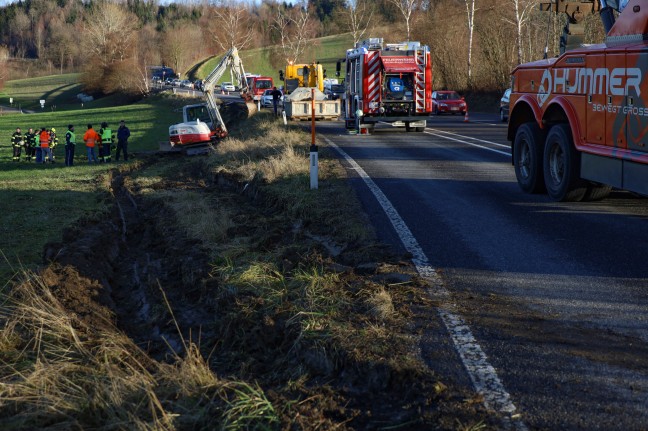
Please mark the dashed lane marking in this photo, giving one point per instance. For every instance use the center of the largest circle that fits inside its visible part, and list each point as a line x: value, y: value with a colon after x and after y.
x: 482, y: 375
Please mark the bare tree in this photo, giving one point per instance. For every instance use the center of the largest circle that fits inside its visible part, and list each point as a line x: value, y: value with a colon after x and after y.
x: 177, y: 46
x: 406, y: 7
x: 357, y: 17
x: 470, y: 15
x: 20, y: 30
x: 109, y: 32
x: 234, y: 28
x: 4, y: 56
x: 295, y: 29
x: 521, y: 14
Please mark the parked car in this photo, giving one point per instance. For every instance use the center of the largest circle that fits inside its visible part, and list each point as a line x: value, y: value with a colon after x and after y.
x: 198, y: 84
x: 227, y: 87
x: 186, y: 83
x: 266, y: 99
x: 168, y: 81
x: 504, y: 105
x: 175, y: 82
x: 448, y: 102
x: 334, y: 91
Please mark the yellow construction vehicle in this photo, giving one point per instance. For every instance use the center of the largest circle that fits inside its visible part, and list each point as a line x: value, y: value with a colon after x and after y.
x: 302, y: 75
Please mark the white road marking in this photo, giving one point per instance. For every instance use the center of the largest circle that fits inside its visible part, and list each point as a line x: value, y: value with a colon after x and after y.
x: 464, y: 140
x: 483, y: 376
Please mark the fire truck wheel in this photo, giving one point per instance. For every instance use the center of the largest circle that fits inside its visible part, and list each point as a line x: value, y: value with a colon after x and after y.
x: 561, y: 166
x: 527, y: 157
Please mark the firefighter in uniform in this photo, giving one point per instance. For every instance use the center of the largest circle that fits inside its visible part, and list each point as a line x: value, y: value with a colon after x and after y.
x: 106, y: 143
x: 17, y: 142
x: 30, y: 144
x: 53, y: 141
x: 70, y: 145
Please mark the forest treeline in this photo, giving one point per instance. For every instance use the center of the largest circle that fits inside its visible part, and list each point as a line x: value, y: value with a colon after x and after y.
x: 474, y: 43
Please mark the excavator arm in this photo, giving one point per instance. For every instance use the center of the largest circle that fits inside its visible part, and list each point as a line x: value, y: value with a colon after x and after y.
x: 232, y: 61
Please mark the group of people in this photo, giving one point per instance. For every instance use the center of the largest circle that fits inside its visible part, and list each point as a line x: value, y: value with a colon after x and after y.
x: 39, y: 146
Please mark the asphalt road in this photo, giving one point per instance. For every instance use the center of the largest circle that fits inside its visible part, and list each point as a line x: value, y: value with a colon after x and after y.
x: 555, y: 295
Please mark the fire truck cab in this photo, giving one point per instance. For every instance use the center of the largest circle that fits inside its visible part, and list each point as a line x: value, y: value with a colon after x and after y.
x: 389, y: 83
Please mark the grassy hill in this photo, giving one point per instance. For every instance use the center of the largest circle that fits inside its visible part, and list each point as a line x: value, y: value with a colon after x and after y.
x: 327, y: 50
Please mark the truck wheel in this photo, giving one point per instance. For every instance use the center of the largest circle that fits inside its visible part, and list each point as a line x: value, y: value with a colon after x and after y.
x: 408, y: 128
x: 527, y: 157
x: 420, y: 129
x: 562, y: 167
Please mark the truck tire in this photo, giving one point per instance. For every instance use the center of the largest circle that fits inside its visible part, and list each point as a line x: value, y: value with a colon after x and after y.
x: 527, y: 157
x: 420, y: 129
x: 562, y: 166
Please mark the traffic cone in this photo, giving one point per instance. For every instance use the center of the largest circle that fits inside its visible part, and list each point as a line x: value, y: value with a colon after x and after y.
x: 466, y: 117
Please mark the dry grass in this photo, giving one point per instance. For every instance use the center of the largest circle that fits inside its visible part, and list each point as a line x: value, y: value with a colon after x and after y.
x: 60, y: 373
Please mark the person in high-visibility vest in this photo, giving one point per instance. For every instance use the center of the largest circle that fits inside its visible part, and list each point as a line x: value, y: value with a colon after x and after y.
x: 106, y: 143
x: 91, y: 138
x: 17, y: 142
x: 70, y: 145
x: 53, y: 142
x: 45, y: 140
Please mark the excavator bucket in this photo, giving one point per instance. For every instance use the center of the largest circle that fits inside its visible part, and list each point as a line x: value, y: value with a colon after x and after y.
x: 236, y: 112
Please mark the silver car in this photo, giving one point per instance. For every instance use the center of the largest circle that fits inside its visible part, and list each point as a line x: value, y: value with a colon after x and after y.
x: 227, y: 87
x: 266, y: 99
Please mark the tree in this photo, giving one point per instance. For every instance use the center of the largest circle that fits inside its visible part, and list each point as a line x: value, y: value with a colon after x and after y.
x: 235, y: 28
x: 521, y: 14
x: 470, y: 15
x: 178, y: 45
x: 109, y: 40
x: 406, y: 8
x: 295, y: 27
x: 357, y: 16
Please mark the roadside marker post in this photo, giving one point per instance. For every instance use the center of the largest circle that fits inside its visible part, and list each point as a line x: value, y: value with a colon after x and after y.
x: 313, y: 148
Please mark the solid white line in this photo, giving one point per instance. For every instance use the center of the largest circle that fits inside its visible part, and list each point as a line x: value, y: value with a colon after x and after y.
x: 483, y: 376
x: 469, y: 143
x: 470, y: 137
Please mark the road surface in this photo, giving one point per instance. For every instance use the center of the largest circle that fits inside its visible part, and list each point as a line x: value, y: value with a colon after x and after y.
x: 543, y: 305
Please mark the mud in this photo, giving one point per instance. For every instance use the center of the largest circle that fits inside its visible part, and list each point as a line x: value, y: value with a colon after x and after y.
x: 135, y: 269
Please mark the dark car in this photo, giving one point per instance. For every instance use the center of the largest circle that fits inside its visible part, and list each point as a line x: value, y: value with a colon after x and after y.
x: 448, y: 102
x: 335, y: 91
x: 504, y: 105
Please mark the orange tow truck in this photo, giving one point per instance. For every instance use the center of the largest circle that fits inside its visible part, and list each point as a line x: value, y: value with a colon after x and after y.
x: 579, y: 122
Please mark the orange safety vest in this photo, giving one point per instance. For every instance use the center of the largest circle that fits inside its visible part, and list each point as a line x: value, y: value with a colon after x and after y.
x: 90, y: 137
x: 44, y: 139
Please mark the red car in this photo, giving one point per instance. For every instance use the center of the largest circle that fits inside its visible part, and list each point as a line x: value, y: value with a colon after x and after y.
x: 448, y: 102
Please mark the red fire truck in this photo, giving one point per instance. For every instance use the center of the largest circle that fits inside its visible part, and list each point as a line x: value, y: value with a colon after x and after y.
x: 389, y: 83
x: 579, y: 122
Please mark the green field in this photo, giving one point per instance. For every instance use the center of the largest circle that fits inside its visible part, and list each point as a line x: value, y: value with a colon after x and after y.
x: 38, y: 201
